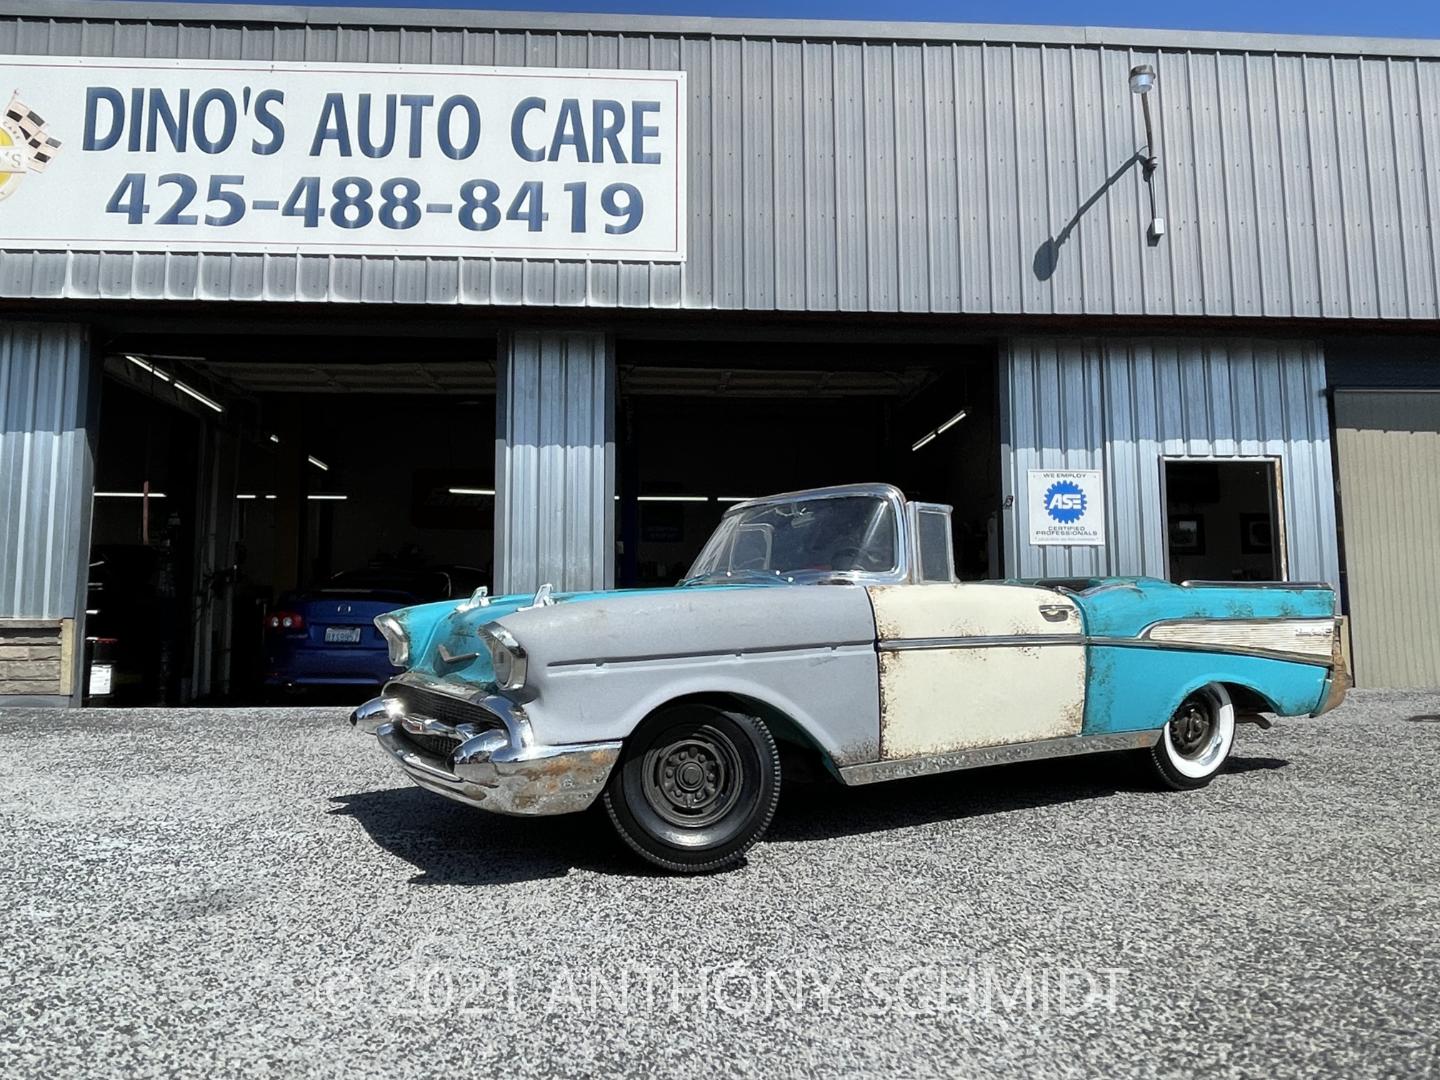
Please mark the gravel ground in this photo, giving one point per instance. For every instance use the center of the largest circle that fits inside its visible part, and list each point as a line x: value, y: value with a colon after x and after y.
x: 256, y: 893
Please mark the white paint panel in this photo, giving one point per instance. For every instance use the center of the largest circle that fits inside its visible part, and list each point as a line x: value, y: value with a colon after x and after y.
x: 975, y: 692
x: 937, y: 700
x: 969, y: 609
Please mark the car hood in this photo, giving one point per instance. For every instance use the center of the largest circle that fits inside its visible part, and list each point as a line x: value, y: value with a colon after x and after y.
x: 587, y: 628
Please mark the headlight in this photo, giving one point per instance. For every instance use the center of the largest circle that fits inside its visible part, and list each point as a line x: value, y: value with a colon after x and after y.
x: 507, y: 658
x: 393, y: 631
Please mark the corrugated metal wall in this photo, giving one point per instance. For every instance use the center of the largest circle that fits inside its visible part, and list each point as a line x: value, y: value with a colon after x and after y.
x: 46, y: 469
x: 1123, y: 405
x: 1388, y: 449
x: 555, y: 462
x: 904, y: 176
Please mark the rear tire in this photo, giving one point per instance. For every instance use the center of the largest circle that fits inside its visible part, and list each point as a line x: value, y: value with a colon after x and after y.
x: 696, y: 786
x: 1196, y: 741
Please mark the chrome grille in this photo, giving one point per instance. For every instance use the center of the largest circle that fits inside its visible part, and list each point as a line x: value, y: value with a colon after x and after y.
x: 434, y: 745
x: 435, y: 706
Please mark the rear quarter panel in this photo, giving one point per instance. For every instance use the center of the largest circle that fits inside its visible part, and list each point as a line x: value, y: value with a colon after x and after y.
x: 1134, y: 688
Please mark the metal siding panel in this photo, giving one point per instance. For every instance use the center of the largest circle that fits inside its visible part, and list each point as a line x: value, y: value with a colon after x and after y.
x: 1414, y: 221
x: 850, y: 192
x: 1002, y: 179
x: 666, y: 280
x: 1063, y: 197
x: 1122, y: 405
x: 911, y: 164
x: 1270, y: 288
x: 1427, y: 78
x: 698, y: 271
x: 634, y: 278
x: 1095, y: 192
x: 757, y: 176
x: 942, y: 195
x: 919, y: 177
x: 819, y: 210
x: 1032, y: 152
x: 45, y: 468
x: 788, y: 165
x: 555, y: 462
x: 881, y: 213
x: 1383, y: 219
x: 1388, y: 450
x: 1355, y: 207
x: 972, y: 176
x: 1242, y: 238
x: 727, y: 154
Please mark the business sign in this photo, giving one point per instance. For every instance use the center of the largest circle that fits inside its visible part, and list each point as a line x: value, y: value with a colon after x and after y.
x: 1067, y: 507
x: 397, y: 159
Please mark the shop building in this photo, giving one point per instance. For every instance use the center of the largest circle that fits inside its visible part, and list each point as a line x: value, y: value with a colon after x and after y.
x: 525, y: 298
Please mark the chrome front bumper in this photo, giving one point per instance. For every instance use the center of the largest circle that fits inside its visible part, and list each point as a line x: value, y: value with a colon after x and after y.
x: 499, y: 769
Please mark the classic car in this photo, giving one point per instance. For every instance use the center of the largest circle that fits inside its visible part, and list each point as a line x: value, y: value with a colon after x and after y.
x: 828, y: 622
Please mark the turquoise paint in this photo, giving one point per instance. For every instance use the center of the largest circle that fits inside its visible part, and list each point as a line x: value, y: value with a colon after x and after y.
x: 1138, y: 602
x: 1135, y: 689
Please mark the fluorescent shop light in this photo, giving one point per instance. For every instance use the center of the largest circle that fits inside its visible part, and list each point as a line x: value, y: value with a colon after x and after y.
x: 471, y: 491
x: 207, y: 402
x: 328, y: 497
x: 733, y: 498
x: 318, y: 463
x: 269, y: 496
x: 673, y: 498
x: 924, y: 439
x: 275, y: 439
x: 128, y: 495
x: 143, y: 366
x: 247, y: 496
x: 948, y: 424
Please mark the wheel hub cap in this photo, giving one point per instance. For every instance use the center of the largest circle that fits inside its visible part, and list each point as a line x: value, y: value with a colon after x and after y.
x: 694, y: 780
x: 1190, y: 729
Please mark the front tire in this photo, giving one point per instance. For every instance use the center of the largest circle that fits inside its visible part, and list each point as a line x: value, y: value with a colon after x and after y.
x: 697, y: 785
x: 1196, y: 741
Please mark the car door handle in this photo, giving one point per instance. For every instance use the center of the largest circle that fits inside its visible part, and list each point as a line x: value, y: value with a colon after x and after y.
x: 1055, y: 612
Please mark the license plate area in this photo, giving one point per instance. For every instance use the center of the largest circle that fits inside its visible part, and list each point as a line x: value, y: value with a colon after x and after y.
x: 342, y: 635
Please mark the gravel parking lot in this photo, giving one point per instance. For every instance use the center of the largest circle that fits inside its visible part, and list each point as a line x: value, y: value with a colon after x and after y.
x: 255, y: 892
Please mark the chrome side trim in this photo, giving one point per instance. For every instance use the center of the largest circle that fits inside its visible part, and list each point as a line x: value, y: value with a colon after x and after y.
x: 1293, y: 586
x: 983, y: 756
x: 1176, y: 646
x: 819, y: 648
x: 981, y: 641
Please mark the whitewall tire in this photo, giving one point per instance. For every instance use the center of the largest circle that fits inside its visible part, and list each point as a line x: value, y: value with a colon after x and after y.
x: 1196, y: 741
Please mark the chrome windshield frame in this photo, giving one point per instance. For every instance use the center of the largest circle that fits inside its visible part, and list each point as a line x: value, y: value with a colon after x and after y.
x: 903, y: 540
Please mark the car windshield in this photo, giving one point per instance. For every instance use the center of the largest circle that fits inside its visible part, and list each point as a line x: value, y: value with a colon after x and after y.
x: 820, y: 534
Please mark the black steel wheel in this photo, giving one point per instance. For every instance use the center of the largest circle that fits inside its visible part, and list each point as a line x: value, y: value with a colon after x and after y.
x: 695, y: 787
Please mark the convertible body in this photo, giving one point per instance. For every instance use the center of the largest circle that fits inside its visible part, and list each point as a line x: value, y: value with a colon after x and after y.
x: 829, y: 621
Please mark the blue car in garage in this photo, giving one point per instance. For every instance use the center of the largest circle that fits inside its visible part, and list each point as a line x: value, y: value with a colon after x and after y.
x: 326, y: 637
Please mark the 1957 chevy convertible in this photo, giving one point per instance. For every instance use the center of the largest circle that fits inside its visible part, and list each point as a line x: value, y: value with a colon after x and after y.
x: 829, y: 622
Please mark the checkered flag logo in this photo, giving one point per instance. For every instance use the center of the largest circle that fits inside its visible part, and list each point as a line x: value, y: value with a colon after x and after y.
x: 31, y: 125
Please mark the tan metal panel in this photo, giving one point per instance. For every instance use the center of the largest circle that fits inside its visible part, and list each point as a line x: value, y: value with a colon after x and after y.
x: 1388, y: 447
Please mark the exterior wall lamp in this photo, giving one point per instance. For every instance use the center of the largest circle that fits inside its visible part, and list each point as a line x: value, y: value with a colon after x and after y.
x: 1142, y: 81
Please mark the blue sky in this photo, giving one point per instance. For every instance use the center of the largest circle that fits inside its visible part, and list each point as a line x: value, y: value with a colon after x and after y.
x: 1379, y: 18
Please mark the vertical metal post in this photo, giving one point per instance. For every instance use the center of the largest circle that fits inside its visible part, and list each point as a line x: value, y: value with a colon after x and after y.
x: 555, y: 461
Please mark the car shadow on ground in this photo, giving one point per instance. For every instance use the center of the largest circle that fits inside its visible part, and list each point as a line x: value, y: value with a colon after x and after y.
x: 822, y: 811
x: 451, y: 844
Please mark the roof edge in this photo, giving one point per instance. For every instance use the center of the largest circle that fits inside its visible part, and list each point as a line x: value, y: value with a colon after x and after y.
x: 831, y: 29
